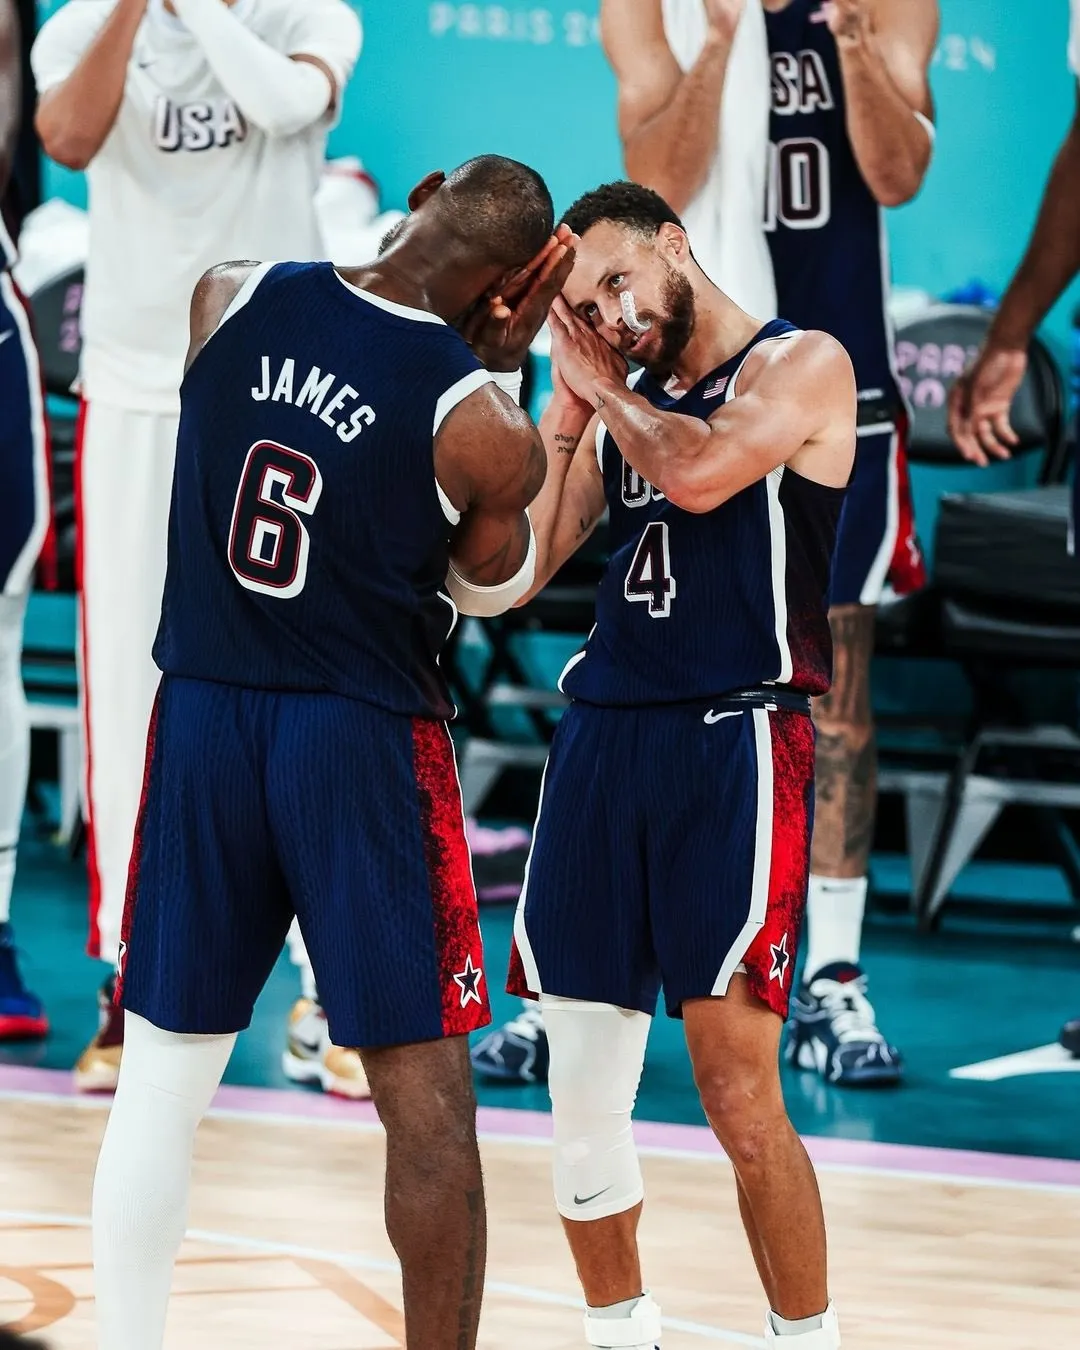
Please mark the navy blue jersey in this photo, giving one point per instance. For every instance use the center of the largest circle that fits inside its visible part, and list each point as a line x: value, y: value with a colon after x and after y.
x: 692, y: 606
x: 308, y: 536
x: 825, y: 228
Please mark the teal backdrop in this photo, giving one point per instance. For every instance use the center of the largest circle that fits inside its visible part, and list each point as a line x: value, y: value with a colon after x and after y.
x: 439, y: 82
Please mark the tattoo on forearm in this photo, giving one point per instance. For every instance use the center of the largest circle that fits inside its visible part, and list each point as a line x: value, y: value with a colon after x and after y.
x: 583, y: 526
x: 600, y: 402
x: 472, y: 1286
x: 566, y: 444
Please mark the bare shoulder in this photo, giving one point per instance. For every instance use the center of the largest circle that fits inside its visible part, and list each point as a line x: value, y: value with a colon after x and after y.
x: 214, y: 293
x: 488, y: 450
x: 809, y: 360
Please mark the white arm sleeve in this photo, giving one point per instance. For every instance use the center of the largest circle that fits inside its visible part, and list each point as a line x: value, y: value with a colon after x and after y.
x: 1074, y: 37
x: 279, y: 95
x: 63, y: 41
x: 484, y: 602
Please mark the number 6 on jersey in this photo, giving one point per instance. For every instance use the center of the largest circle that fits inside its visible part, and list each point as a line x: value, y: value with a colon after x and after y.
x: 268, y: 542
x: 649, y: 578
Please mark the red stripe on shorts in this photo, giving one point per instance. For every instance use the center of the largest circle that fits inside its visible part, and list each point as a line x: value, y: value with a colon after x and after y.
x: 131, y: 895
x: 770, y: 960
x: 907, y: 567
x: 458, y: 947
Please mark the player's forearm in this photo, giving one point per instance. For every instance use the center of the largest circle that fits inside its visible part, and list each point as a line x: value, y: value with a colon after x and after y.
x: 673, y: 150
x: 672, y: 452
x: 279, y: 95
x: 1053, y: 256
x: 562, y: 426
x: 74, y: 119
x: 892, y: 147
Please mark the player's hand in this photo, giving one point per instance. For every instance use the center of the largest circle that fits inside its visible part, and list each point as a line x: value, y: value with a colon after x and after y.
x: 581, y: 355
x: 561, y: 392
x: 723, y: 16
x: 848, y: 20
x: 979, y: 404
x: 501, y: 328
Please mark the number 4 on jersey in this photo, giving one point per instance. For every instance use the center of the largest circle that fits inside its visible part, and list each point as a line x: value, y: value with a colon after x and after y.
x: 649, y: 578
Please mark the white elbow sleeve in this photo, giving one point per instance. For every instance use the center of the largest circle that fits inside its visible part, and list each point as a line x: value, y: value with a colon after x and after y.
x: 484, y: 602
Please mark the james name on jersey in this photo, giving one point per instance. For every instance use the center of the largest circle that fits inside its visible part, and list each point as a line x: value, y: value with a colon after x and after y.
x: 314, y: 395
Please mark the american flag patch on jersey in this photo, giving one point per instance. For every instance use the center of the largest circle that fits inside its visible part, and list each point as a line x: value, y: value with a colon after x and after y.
x: 715, y: 387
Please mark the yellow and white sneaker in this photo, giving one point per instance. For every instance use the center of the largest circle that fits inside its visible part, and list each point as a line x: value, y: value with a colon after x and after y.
x: 98, y: 1067
x: 311, y: 1057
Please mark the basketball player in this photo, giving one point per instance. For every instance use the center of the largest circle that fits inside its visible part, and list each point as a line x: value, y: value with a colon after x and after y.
x: 979, y: 402
x: 851, y: 132
x: 673, y: 839
x: 24, y: 518
x: 202, y: 125
x: 347, y: 472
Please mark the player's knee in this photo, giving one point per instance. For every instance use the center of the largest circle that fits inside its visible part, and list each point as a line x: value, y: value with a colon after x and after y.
x: 743, y: 1105
x: 597, y: 1052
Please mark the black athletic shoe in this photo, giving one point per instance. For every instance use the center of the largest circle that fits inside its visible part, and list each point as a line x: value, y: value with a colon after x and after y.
x: 833, y: 1031
x: 1070, y: 1037
x: 516, y: 1052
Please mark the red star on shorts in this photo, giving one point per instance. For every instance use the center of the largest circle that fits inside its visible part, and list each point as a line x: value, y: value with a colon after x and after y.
x: 468, y: 981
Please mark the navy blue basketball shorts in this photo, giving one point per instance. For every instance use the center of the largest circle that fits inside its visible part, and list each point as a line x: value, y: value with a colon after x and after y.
x: 259, y: 805
x: 24, y: 473
x: 877, y: 548
x: 672, y: 848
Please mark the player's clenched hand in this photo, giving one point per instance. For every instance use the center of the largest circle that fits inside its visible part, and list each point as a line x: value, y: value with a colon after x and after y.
x: 848, y: 20
x: 724, y: 15
x: 979, y: 404
x: 500, y: 328
x: 582, y: 356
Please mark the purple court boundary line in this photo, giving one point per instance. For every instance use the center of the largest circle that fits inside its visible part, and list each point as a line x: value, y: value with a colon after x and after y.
x: 495, y: 1121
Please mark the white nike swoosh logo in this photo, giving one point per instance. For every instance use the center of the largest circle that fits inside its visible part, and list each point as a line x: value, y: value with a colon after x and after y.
x: 713, y: 717
x: 4, y: 336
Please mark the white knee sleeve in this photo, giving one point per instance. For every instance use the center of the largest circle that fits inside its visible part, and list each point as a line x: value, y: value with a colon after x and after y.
x: 14, y: 741
x: 143, y: 1175
x: 597, y: 1054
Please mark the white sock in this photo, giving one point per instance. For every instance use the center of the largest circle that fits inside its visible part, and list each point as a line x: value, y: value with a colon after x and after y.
x: 14, y: 742
x: 816, y: 1333
x: 299, y: 957
x: 143, y: 1176
x: 633, y: 1324
x: 834, y: 919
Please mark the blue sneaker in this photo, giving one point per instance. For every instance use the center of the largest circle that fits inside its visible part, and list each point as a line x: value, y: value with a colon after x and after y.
x: 22, y: 1018
x: 516, y: 1052
x: 833, y: 1031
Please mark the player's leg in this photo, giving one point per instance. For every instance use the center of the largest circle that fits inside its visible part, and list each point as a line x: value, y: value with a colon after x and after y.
x: 729, y: 852
x: 582, y: 942
x: 124, y: 465
x: 734, y: 1043
x: 24, y: 518
x: 834, y: 1030
x: 435, y: 1212
x: 366, y: 813
x: 205, y: 920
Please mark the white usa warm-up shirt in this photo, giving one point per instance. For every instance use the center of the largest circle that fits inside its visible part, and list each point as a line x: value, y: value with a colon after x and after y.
x: 184, y: 181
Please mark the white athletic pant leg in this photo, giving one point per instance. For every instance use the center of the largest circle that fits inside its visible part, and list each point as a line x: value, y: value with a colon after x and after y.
x: 14, y: 741
x: 125, y: 469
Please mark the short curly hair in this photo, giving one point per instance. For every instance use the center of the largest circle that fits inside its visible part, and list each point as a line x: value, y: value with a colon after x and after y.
x: 623, y: 203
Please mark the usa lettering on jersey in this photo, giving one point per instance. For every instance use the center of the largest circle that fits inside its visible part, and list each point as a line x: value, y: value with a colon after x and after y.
x: 313, y: 393
x: 800, y: 83
x: 204, y: 124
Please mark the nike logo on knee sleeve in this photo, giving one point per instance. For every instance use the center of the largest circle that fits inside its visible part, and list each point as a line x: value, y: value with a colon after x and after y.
x: 584, y: 1199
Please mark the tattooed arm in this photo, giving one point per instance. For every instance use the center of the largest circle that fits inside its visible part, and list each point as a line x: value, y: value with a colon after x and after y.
x: 571, y: 501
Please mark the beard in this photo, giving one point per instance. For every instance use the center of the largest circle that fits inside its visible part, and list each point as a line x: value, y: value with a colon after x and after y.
x: 675, y: 326
x: 391, y: 234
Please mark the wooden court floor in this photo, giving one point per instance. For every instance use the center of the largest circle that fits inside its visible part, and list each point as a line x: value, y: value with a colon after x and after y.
x: 287, y: 1246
